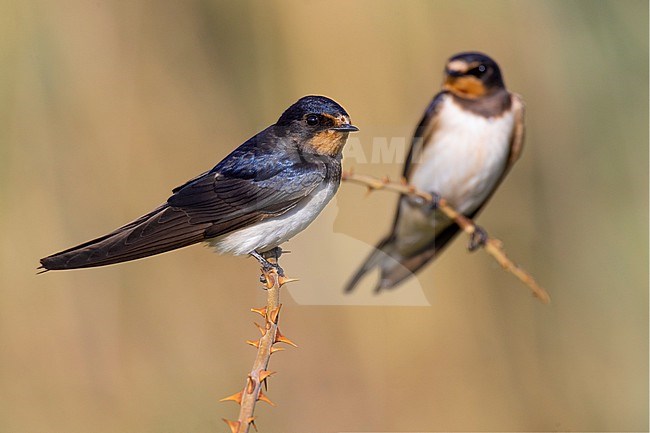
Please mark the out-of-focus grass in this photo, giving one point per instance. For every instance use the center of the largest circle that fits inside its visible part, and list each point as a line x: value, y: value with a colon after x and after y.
x: 105, y: 106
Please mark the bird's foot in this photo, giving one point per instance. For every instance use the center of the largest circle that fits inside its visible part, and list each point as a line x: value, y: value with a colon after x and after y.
x: 427, y: 206
x: 274, y: 254
x: 266, y: 265
x: 434, y: 203
x: 477, y: 239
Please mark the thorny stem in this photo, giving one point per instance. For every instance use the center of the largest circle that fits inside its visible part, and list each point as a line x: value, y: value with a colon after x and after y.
x: 252, y: 392
x: 492, y: 246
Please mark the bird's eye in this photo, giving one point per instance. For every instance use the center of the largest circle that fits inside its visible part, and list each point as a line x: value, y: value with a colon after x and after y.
x: 312, y: 120
x: 477, y: 71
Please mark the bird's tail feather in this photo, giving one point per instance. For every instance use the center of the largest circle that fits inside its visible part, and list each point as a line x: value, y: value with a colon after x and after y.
x: 161, y: 230
x: 373, y: 260
x: 395, y: 267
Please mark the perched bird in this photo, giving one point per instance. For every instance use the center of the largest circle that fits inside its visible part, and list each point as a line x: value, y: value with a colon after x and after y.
x: 266, y: 191
x: 468, y: 139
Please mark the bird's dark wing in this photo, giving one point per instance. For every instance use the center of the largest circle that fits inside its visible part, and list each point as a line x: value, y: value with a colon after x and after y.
x: 233, y: 195
x: 517, y: 141
x: 421, y: 137
x: 230, y: 200
x: 161, y: 230
x: 423, y: 133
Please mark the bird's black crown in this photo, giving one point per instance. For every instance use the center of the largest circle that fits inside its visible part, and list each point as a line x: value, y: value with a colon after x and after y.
x: 308, y: 105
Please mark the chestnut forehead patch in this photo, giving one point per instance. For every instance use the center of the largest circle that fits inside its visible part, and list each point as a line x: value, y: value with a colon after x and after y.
x: 461, y: 66
x: 457, y: 66
x: 338, y: 120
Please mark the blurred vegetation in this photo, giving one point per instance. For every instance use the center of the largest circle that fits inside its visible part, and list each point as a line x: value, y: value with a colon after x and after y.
x: 107, y: 105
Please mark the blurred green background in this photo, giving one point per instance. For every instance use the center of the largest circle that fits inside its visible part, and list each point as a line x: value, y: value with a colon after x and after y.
x: 107, y: 105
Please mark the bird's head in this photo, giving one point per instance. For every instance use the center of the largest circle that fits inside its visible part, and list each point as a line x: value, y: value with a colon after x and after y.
x: 472, y: 75
x: 318, y: 123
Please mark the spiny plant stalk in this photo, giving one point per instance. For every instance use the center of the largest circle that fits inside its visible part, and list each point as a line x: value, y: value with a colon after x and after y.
x: 248, y: 397
x: 492, y: 246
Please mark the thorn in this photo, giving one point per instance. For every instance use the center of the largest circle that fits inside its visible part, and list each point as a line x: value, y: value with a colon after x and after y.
x: 273, y: 316
x: 260, y: 328
x: 236, y: 397
x: 260, y: 311
x: 284, y: 280
x: 266, y: 274
x: 250, y: 385
x: 385, y: 179
x: 411, y: 189
x: 279, y: 338
x: 254, y: 343
x: 264, y: 398
x: 251, y: 421
x: 264, y: 374
x: 270, y: 280
x: 276, y: 349
x: 234, y: 425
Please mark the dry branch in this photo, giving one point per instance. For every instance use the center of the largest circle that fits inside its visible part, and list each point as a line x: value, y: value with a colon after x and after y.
x: 492, y: 246
x: 252, y: 392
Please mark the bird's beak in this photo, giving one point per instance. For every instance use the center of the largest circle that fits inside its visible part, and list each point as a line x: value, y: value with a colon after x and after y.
x: 344, y: 127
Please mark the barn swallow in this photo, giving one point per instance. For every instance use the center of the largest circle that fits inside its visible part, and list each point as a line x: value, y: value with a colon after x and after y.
x: 468, y: 139
x: 263, y: 193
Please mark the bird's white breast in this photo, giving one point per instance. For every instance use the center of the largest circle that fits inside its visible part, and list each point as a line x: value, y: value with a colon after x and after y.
x: 272, y: 232
x: 462, y: 161
x: 465, y: 156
